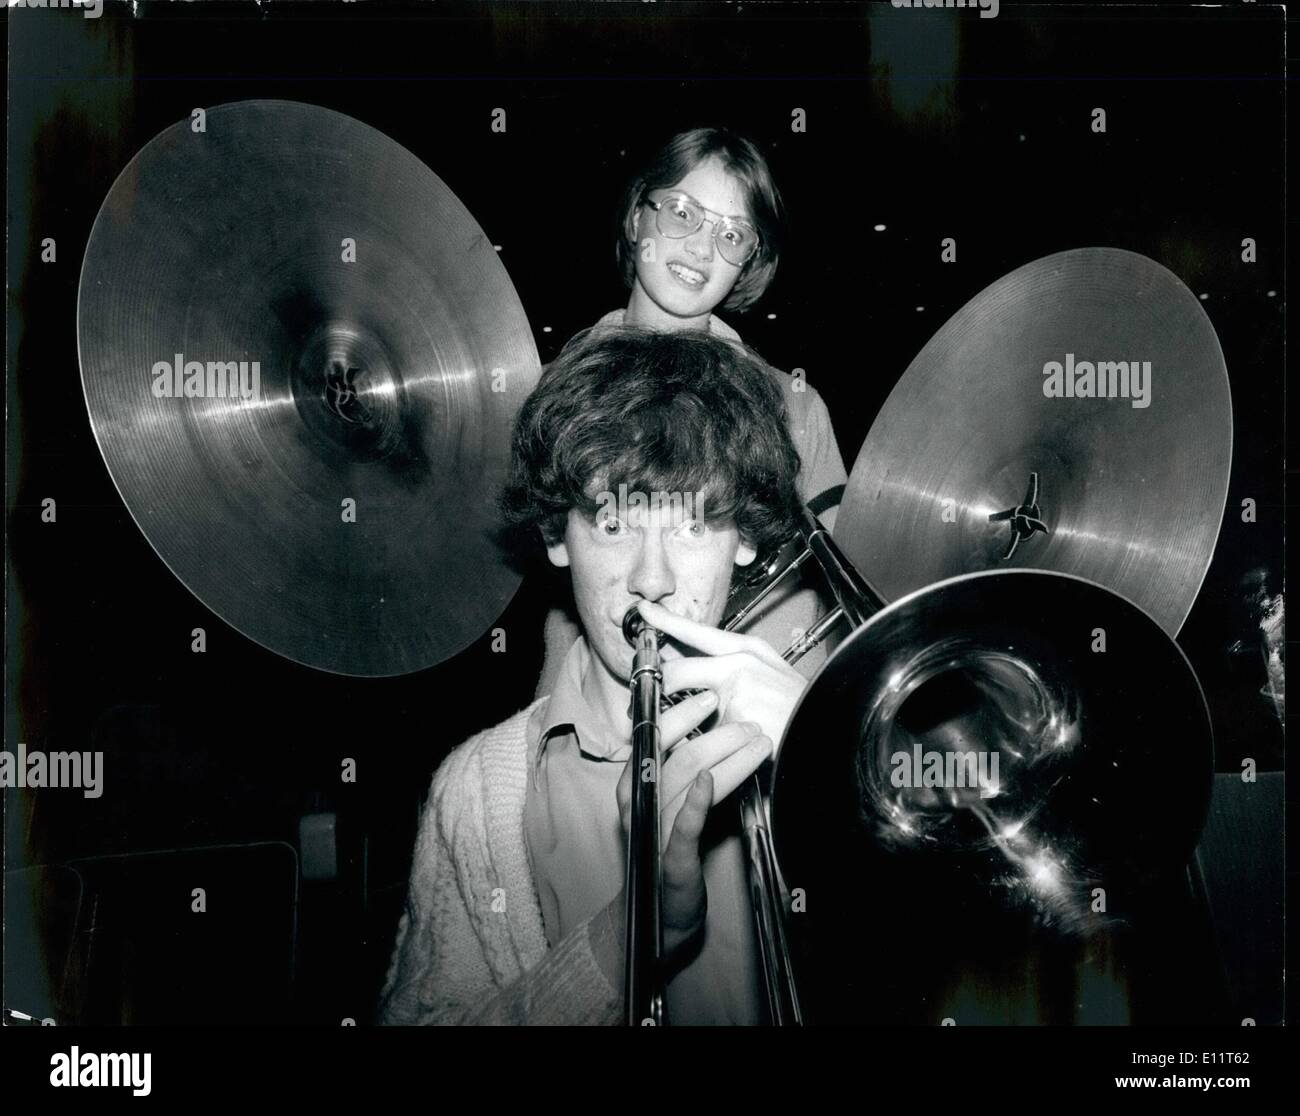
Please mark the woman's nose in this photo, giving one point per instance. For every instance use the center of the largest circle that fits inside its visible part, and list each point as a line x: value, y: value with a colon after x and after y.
x: 700, y: 242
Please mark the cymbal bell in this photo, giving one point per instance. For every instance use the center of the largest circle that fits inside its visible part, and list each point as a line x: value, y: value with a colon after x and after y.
x: 984, y: 456
x: 302, y: 358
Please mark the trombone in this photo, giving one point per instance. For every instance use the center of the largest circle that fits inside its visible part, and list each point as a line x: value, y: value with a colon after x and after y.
x: 644, y: 973
x: 643, y: 985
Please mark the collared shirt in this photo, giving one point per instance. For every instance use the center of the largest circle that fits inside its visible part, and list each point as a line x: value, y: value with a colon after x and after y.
x: 576, y: 850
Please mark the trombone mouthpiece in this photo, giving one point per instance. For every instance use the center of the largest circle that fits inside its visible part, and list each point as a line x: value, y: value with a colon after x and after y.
x: 634, y: 624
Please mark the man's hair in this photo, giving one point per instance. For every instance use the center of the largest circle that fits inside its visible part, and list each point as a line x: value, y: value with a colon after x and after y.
x: 673, y: 162
x: 676, y: 412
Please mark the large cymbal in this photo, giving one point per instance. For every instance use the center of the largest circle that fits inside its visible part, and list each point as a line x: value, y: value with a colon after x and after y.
x: 1131, y: 497
x: 391, y: 381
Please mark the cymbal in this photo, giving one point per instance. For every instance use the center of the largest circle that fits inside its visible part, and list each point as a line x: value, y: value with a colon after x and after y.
x: 302, y: 359
x: 971, y: 464
x: 1091, y: 770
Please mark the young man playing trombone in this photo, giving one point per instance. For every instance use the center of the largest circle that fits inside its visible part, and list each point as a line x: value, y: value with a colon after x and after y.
x: 515, y: 912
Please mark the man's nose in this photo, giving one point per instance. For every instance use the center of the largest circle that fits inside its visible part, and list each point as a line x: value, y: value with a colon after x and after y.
x: 652, y: 577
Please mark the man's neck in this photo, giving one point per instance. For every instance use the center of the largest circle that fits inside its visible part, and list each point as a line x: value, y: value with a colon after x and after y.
x: 643, y: 311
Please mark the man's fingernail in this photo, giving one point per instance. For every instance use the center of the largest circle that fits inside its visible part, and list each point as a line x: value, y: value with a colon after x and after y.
x: 752, y: 729
x: 708, y: 699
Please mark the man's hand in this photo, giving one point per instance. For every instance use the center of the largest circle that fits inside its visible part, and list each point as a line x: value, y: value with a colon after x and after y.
x: 752, y: 682
x: 694, y: 776
x: 754, y: 691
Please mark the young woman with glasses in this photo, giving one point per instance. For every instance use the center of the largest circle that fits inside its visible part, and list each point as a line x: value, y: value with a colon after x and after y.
x: 700, y: 230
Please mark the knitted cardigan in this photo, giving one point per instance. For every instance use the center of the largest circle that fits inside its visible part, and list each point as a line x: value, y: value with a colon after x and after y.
x: 471, y: 944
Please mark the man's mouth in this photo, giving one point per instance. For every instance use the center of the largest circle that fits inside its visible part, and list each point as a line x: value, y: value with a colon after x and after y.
x: 668, y: 648
x: 688, y: 275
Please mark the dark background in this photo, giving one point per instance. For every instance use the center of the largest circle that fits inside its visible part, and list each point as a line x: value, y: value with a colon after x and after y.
x: 934, y: 124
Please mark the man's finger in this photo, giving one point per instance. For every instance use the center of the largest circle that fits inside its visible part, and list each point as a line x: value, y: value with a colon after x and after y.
x: 714, y: 672
x: 676, y: 721
x: 703, y: 753
x: 691, y: 633
x: 683, y: 850
x: 739, y: 766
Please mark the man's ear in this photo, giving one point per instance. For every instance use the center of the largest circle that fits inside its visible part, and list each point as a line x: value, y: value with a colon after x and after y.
x: 558, y: 553
x: 745, y: 554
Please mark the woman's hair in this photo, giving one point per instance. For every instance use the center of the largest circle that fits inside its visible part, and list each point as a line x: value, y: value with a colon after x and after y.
x: 658, y: 412
x: 673, y: 162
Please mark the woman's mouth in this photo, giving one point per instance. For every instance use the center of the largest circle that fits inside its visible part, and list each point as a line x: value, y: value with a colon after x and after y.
x: 687, y: 276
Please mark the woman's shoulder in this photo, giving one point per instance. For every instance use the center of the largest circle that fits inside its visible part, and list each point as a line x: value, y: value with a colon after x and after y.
x: 805, y: 404
x: 717, y: 327
x: 613, y: 318
x: 802, y: 399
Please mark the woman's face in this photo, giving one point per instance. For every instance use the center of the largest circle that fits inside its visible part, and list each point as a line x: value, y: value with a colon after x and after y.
x: 686, y: 278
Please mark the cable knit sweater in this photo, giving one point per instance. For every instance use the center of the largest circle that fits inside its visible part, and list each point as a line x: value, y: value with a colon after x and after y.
x: 471, y: 945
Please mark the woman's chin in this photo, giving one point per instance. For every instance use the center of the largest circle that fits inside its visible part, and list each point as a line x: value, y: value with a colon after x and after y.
x: 683, y: 304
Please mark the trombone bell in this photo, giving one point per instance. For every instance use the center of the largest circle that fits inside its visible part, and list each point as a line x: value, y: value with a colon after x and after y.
x: 988, y: 799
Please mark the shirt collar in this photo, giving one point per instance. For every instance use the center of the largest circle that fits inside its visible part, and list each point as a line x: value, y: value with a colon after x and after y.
x: 568, y: 711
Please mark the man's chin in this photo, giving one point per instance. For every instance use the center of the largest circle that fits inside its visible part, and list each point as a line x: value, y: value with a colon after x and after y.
x: 615, y: 657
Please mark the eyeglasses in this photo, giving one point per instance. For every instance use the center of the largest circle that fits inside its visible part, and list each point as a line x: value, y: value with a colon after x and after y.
x: 680, y: 215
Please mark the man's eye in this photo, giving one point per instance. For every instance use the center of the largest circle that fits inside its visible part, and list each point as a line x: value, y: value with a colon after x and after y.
x: 612, y: 527
x: 696, y: 529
